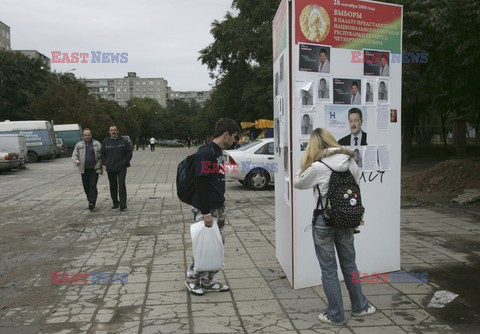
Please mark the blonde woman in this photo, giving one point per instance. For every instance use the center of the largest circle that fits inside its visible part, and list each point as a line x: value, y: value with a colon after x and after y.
x: 323, y: 146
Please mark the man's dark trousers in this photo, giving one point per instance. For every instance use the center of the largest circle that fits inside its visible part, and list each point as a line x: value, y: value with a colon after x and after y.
x: 89, y: 181
x: 117, y: 185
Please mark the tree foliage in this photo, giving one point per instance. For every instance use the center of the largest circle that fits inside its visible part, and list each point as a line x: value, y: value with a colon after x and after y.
x: 240, y: 59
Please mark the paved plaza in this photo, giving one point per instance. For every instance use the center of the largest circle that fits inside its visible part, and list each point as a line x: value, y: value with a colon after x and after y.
x: 45, y: 226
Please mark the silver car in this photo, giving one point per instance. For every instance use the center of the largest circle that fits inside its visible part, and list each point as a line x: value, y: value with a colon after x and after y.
x: 8, y: 160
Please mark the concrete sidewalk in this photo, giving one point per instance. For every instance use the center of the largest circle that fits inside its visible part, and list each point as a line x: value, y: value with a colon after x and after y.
x: 46, y: 227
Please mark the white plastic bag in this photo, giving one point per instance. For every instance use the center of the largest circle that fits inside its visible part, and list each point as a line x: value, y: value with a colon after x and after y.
x: 207, y: 247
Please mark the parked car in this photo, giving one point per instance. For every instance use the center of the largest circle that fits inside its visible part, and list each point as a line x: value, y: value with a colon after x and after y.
x: 39, y: 135
x: 170, y: 143
x: 253, y: 164
x: 71, y: 134
x: 15, y: 143
x: 8, y: 160
x: 61, y: 151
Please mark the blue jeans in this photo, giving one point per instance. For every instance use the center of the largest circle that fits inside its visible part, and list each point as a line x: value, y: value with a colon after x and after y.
x: 326, y: 239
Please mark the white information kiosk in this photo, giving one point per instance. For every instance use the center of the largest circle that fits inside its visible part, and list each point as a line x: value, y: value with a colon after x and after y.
x: 332, y: 57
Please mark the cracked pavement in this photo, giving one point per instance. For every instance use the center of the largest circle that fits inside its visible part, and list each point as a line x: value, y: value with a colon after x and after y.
x: 45, y: 226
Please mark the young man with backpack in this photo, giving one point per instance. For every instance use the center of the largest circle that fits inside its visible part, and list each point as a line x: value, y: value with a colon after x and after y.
x: 209, y: 198
x: 333, y: 174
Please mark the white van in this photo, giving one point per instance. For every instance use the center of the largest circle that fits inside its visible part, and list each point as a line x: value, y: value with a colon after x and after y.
x: 15, y: 143
x: 38, y: 134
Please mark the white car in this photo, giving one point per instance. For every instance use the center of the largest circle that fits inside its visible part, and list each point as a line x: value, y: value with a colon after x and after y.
x: 252, y: 164
x: 8, y: 160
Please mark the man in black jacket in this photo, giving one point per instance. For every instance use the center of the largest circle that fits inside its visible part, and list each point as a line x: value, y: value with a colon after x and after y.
x: 208, y: 200
x: 116, y: 155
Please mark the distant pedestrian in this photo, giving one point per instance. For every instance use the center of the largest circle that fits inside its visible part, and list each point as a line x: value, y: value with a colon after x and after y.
x: 144, y: 142
x: 116, y: 155
x: 209, y: 198
x: 152, y: 144
x: 330, y: 240
x: 137, y: 143
x: 86, y: 157
x: 189, y: 142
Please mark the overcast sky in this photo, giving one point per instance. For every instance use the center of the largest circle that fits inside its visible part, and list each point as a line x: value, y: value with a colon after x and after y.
x: 162, y: 37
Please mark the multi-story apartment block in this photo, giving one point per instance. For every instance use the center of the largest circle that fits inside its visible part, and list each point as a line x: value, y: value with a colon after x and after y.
x: 199, y: 96
x: 123, y: 89
x: 36, y: 55
x: 4, y: 37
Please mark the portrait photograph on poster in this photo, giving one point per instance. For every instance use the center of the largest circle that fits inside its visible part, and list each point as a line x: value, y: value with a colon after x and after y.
x: 303, y: 145
x: 285, y: 159
x: 347, y: 91
x: 307, y: 124
x: 383, y: 91
x: 369, y: 92
x: 305, y: 93
x: 323, y: 94
x: 347, y: 124
x: 376, y: 63
x: 357, y: 154
x: 393, y: 115
x: 314, y: 58
x: 277, y: 134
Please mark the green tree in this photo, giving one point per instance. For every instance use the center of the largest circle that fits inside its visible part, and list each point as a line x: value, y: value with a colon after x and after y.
x: 240, y: 59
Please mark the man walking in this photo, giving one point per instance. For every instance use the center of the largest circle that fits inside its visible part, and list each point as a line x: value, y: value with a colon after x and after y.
x: 152, y: 144
x: 86, y: 157
x: 116, y: 155
x: 208, y: 200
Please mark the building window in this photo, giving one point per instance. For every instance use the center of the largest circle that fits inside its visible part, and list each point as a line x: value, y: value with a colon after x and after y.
x: 119, y: 90
x: 144, y: 83
x: 118, y: 83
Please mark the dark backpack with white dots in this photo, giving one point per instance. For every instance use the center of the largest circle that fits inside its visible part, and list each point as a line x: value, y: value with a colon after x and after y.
x: 344, y: 207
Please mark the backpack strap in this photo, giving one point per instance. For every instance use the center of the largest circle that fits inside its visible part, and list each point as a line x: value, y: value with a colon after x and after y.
x: 319, y: 201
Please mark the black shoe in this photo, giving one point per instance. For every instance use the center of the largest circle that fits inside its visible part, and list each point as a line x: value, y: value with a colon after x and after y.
x: 122, y: 208
x: 91, y: 206
x: 115, y: 206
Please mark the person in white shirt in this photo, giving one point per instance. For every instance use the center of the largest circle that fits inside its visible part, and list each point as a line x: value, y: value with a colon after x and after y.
x: 152, y: 144
x: 324, y: 65
x: 384, y: 70
x: 356, y: 98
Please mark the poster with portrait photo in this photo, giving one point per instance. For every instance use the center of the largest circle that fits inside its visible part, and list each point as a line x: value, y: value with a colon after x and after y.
x: 324, y: 90
x: 285, y: 160
x: 383, y: 95
x: 347, y: 122
x: 393, y: 115
x: 347, y: 91
x: 305, y: 94
x: 314, y: 58
x: 369, y: 97
x: 303, y: 145
x: 277, y: 134
x: 358, y: 152
x: 307, y: 124
x: 376, y: 63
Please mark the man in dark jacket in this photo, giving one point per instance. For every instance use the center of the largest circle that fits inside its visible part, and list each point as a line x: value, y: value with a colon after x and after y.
x: 208, y: 200
x: 116, y: 155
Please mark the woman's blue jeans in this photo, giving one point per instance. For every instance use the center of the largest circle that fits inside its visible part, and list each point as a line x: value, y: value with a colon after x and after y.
x: 326, y: 240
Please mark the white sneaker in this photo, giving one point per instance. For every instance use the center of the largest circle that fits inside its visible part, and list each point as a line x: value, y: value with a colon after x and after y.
x: 323, y: 317
x: 195, y: 288
x: 369, y: 311
x: 215, y: 287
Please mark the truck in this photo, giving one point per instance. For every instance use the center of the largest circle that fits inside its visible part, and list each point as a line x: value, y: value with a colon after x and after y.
x: 39, y: 136
x: 71, y: 134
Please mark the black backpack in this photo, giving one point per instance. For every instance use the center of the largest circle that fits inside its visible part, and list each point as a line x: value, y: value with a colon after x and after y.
x: 186, y: 178
x: 344, y: 207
